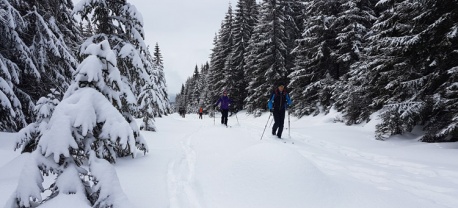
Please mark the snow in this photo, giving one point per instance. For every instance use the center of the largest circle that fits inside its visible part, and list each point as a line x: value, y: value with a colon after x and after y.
x: 69, y: 201
x: 110, y: 189
x: 4, y: 100
x: 85, y: 108
x: 200, y: 163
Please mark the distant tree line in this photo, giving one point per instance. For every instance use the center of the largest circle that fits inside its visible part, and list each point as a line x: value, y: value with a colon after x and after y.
x: 395, y: 57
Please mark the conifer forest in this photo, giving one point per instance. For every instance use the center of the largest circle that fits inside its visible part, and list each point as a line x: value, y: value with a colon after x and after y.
x: 395, y: 57
x: 76, y: 78
x: 42, y: 44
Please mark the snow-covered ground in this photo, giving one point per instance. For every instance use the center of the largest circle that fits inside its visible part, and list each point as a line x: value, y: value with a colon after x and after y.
x: 201, y: 164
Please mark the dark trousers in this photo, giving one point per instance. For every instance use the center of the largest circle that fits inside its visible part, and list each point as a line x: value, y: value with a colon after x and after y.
x: 224, y: 113
x: 279, y: 119
x: 200, y: 115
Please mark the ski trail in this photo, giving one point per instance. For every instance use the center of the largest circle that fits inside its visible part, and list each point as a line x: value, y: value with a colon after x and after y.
x: 181, y: 177
x: 188, y: 184
x: 381, y: 171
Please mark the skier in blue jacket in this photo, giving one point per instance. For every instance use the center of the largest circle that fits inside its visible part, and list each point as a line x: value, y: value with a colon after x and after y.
x: 278, y: 103
x: 224, y: 107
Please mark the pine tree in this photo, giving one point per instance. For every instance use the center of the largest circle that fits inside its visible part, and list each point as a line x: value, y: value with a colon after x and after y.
x: 14, y: 61
x: 353, y: 23
x: 221, y: 66
x: 435, y: 53
x: 206, y: 101
x: 194, y: 91
x: 215, y: 72
x: 52, y: 36
x: 244, y: 21
x: 29, y: 136
x: 181, y: 100
x: 121, y: 25
x: 163, y: 102
x: 268, y: 47
x: 191, y: 102
x: 148, y: 97
x: 39, y: 38
x: 73, y: 140
x: 294, y: 12
x: 315, y: 59
x: 383, y: 77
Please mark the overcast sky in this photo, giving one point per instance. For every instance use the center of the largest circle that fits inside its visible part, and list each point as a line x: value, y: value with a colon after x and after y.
x: 184, y: 30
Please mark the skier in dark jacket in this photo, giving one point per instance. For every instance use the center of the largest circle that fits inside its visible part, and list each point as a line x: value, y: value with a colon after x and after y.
x: 278, y: 103
x: 225, y: 103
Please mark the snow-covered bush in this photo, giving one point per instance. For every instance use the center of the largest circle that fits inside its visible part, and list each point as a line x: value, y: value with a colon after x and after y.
x: 399, y: 118
x: 84, y: 135
x: 29, y: 136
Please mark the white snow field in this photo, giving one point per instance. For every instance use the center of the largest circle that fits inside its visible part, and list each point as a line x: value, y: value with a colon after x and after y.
x: 196, y: 163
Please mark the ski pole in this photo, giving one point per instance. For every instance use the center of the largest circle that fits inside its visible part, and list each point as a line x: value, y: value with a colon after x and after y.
x: 289, y: 126
x: 237, y: 118
x: 266, y: 126
x: 214, y: 115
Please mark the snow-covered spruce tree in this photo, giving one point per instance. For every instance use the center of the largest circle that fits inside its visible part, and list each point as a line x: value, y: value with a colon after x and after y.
x: 15, y: 63
x: 331, y: 42
x: 148, y: 101
x: 163, y: 101
x: 251, y: 60
x: 28, y: 137
x: 51, y: 36
x: 121, y: 24
x: 124, y: 93
x: 214, y: 74
x: 221, y: 59
x: 437, y: 52
x: 189, y: 86
x: 267, y: 45
x: 156, y: 87
x: 205, y: 98
x: 232, y: 75
x: 294, y: 12
x: 245, y: 18
x: 153, y: 101
x: 200, y: 88
x: 399, y: 118
x: 84, y: 135
x: 353, y: 23
x: 389, y: 76
x: 195, y: 88
x: 180, y: 103
x: 11, y: 115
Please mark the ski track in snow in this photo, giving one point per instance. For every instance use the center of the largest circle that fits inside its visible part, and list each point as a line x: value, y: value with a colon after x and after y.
x: 388, y: 172
x: 181, y: 177
x: 438, y: 185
